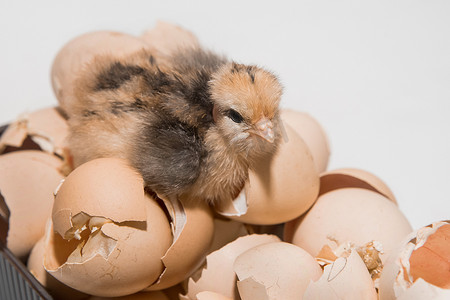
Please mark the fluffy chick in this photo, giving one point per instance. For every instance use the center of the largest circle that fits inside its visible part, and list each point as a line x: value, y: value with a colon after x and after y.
x: 192, y: 124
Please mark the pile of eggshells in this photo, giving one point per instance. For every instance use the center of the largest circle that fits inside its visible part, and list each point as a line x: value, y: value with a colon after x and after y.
x: 296, y: 231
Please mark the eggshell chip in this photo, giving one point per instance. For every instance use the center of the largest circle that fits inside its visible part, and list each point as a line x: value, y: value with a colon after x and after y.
x: 284, y: 270
x: 193, y: 227
x: 27, y: 181
x: 346, y: 278
x: 218, y: 275
x: 349, y: 218
x: 420, y: 266
x: 351, y: 177
x: 46, y: 128
x: 312, y: 133
x: 279, y: 189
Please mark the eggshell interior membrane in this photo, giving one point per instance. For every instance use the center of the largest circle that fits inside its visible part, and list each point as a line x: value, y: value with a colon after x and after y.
x: 218, y: 274
x: 193, y: 229
x: 72, y: 58
x: 351, y: 177
x: 46, y: 129
x: 275, y: 271
x: 349, y: 217
x: 168, y: 38
x: 279, y: 189
x: 57, y: 289
x: 419, y: 265
x: 312, y: 134
x: 27, y: 181
x: 346, y: 278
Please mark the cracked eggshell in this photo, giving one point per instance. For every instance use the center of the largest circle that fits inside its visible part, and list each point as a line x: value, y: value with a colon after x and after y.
x: 155, y: 295
x: 167, y: 38
x: 419, y: 268
x: 75, y: 54
x: 352, y: 216
x: 56, y: 288
x: 275, y: 271
x: 107, y: 237
x: 279, y: 189
x: 218, y: 274
x: 27, y: 181
x: 207, y: 295
x: 44, y: 129
x: 345, y: 278
x: 312, y: 133
x: 193, y: 229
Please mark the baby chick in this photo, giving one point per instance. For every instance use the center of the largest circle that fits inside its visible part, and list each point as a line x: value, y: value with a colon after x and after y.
x: 192, y: 124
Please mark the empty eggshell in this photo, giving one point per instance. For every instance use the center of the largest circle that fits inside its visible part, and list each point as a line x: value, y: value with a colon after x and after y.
x: 46, y: 128
x: 27, y: 181
x: 346, y: 278
x: 278, y: 190
x: 56, y: 288
x: 312, y: 133
x: 275, y: 271
x: 167, y: 38
x: 108, y: 236
x: 193, y: 229
x: 349, y: 216
x: 351, y: 177
x: 218, y: 274
x: 72, y: 58
x: 419, y: 268
x: 211, y: 296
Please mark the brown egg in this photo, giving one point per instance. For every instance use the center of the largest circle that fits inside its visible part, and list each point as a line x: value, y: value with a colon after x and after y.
x: 347, y: 218
x: 312, y: 133
x: 275, y: 271
x: 55, y: 288
x: 107, y: 237
x: 280, y: 189
x: 44, y: 129
x: 218, y: 274
x: 168, y: 38
x: 27, y: 181
x: 419, y: 267
x: 345, y: 278
x: 71, y: 59
x: 156, y: 295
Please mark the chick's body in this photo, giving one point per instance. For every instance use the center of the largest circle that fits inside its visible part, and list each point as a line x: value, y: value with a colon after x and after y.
x: 192, y: 124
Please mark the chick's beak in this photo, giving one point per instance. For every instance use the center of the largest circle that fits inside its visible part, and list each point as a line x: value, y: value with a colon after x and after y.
x: 264, y: 128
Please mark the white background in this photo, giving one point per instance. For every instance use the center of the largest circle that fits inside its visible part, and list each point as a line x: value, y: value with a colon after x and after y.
x: 375, y: 74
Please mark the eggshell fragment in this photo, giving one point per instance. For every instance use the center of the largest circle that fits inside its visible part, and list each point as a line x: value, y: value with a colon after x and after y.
x: 156, y: 295
x: 312, y: 133
x: 27, y: 181
x: 346, y: 278
x: 419, y: 266
x: 351, y: 177
x: 349, y: 216
x: 278, y: 190
x: 73, y: 57
x: 168, y: 38
x: 193, y: 228
x: 56, y: 288
x: 108, y: 236
x: 46, y: 128
x: 283, y: 269
x: 218, y: 275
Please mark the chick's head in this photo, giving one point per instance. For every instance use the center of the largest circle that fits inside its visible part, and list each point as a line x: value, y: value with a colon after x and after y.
x: 246, y: 108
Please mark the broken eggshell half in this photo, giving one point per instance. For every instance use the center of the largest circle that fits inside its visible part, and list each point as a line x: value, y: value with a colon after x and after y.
x: 27, y: 181
x: 107, y: 236
x: 45, y: 129
x: 218, y: 274
x: 348, y: 218
x: 312, y: 134
x: 345, y: 278
x: 419, y: 266
x: 278, y: 189
x: 275, y: 271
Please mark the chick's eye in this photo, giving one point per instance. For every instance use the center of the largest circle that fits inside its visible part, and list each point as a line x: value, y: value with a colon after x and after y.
x: 235, y: 116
